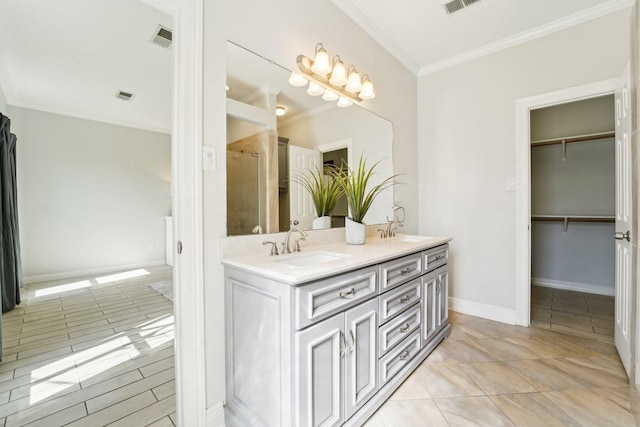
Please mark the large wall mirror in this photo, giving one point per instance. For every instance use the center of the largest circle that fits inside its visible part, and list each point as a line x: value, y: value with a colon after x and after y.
x: 265, y: 150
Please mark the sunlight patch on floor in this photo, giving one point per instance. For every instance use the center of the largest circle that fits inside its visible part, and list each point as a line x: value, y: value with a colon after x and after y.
x: 122, y: 276
x: 63, y: 288
x: 79, y: 367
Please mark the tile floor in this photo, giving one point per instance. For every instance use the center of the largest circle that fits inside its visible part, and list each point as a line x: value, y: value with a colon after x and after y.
x: 90, y: 351
x: 99, y: 351
x: 575, y: 313
x: 491, y: 374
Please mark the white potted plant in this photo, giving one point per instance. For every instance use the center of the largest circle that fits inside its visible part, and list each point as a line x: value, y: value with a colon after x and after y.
x: 360, y: 195
x: 325, y: 191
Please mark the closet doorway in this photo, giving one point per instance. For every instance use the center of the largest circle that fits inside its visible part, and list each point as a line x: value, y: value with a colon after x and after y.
x: 573, y: 169
x: 624, y: 251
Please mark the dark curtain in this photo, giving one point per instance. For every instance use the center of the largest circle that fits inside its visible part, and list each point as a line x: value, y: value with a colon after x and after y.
x: 10, y: 263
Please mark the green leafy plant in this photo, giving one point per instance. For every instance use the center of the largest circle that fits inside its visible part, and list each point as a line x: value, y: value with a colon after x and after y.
x: 354, y: 183
x: 325, y: 190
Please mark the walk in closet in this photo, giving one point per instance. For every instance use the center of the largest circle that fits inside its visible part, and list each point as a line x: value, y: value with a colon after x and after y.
x: 573, y: 216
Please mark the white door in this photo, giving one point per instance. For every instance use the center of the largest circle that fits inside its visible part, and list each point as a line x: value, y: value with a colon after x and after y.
x: 624, y: 212
x: 301, y: 208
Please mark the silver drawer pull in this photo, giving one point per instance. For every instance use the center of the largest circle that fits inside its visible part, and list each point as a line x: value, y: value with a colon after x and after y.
x: 405, y: 270
x: 404, y: 328
x: 348, y: 293
x: 439, y: 257
x: 404, y: 299
x: 404, y: 355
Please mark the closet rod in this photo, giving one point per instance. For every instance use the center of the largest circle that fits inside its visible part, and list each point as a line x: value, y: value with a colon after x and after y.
x: 573, y: 218
x: 576, y: 138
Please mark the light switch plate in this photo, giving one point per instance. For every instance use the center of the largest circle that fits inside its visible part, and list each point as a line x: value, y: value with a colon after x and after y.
x: 208, y: 158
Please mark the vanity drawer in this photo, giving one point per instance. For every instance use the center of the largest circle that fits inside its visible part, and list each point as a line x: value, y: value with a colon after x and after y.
x: 398, y: 271
x: 399, y: 328
x: 321, y: 299
x: 398, y: 300
x: 393, y: 362
x: 435, y: 257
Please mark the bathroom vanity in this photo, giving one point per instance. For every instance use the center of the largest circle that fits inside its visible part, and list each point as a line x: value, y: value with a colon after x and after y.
x: 324, y: 337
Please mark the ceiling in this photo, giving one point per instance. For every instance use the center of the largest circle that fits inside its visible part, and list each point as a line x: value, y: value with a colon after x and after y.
x: 72, y: 56
x: 423, y: 37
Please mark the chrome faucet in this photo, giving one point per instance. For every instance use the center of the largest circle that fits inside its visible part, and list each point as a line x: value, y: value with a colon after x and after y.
x: 285, y: 245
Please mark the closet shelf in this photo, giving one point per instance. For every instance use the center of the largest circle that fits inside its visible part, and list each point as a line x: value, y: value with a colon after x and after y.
x: 574, y: 218
x: 576, y: 138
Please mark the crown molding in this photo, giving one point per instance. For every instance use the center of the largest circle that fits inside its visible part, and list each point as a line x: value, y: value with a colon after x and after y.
x: 526, y: 36
x: 370, y: 28
x: 53, y: 110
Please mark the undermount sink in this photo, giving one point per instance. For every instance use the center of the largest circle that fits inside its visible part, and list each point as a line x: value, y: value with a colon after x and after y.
x: 314, y: 258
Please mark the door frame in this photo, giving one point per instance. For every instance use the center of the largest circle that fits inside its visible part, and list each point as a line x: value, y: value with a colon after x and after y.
x: 187, y: 205
x: 523, y: 176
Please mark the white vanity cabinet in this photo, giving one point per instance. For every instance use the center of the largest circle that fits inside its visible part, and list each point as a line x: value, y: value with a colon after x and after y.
x: 336, y: 366
x: 330, y: 350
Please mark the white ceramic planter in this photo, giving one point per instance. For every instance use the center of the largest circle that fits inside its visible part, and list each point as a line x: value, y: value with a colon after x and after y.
x: 355, y: 232
x: 321, y: 223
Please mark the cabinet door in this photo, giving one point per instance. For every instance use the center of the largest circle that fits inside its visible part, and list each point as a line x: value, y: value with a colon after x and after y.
x: 442, y: 295
x: 429, y: 307
x: 361, y: 379
x: 319, y: 370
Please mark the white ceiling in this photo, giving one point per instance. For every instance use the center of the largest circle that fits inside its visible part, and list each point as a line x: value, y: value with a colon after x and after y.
x: 424, y: 38
x: 71, y: 56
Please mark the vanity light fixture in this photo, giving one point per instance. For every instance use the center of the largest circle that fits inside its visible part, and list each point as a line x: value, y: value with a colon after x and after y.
x: 281, y: 110
x: 331, y: 80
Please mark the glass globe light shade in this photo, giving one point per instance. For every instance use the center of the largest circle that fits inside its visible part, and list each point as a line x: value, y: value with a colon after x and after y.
x: 367, y: 89
x: 354, y: 84
x: 339, y: 73
x: 297, y: 80
x: 321, y: 65
x: 344, y: 102
x: 330, y: 95
x: 314, y: 89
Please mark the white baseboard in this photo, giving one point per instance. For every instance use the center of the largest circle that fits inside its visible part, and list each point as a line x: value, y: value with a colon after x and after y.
x: 572, y: 286
x: 486, y: 311
x: 215, y: 415
x: 89, y: 272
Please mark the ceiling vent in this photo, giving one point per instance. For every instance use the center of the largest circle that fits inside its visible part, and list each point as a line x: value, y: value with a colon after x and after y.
x: 457, y: 5
x: 162, y: 36
x: 125, y: 96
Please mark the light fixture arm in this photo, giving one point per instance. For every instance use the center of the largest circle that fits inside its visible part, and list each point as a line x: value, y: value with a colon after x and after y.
x: 304, y: 65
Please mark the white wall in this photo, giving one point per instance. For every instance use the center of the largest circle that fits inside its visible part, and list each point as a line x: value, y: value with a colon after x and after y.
x: 3, y: 103
x: 91, y: 196
x: 467, y: 147
x: 281, y: 30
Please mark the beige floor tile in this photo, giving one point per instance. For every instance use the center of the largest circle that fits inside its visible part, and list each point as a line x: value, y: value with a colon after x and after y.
x: 533, y: 410
x: 497, y: 378
x: 545, y: 375
x: 411, y: 413
x: 604, y: 408
x: 466, y: 351
x: 165, y: 390
x: 472, y: 411
x: 505, y: 350
x: 412, y: 388
x: 447, y: 380
x: 164, y: 422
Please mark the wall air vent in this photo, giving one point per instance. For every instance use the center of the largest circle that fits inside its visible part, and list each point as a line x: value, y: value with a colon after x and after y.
x: 452, y: 6
x: 125, y: 96
x: 162, y: 36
